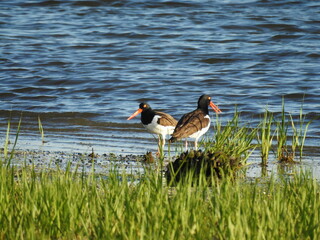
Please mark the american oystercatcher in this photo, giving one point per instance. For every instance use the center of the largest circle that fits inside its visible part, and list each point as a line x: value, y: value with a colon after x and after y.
x: 156, y: 122
x: 196, y: 123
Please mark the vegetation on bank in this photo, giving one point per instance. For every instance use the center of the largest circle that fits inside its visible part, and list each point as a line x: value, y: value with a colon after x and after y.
x: 65, y: 204
x: 231, y: 146
x: 284, y: 135
x: 69, y: 205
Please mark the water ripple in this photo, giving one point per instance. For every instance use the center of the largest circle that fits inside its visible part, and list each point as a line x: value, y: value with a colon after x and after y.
x: 95, y: 61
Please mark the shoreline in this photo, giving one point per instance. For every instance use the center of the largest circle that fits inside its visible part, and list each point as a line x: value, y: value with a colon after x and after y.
x: 136, y: 163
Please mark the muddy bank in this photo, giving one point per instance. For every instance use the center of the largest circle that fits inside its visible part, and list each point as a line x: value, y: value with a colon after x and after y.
x: 136, y: 164
x: 100, y: 163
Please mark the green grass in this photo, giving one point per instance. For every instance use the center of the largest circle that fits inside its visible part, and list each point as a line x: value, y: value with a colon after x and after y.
x: 232, y: 140
x: 265, y: 136
x: 286, y: 148
x: 7, y: 158
x: 282, y: 136
x: 7, y: 141
x: 41, y: 131
x: 285, y: 135
x: 299, y: 132
x: 68, y: 205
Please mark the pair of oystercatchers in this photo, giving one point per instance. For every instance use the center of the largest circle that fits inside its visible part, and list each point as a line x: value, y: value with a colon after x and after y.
x: 191, y: 125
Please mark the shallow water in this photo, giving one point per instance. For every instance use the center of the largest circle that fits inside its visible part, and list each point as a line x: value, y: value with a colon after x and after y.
x: 84, y: 66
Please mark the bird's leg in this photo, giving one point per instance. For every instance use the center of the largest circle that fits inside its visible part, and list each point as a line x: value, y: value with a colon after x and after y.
x: 186, y: 144
x: 196, y: 144
x: 163, y: 141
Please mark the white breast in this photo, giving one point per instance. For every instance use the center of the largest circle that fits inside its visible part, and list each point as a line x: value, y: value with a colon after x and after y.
x: 201, y: 131
x: 156, y: 128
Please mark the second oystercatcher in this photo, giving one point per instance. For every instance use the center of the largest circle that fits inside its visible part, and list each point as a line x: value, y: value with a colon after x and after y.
x: 196, y: 123
x: 156, y: 122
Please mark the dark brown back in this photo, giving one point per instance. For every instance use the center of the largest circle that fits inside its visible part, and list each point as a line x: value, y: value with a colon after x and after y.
x: 190, y: 123
x: 166, y: 119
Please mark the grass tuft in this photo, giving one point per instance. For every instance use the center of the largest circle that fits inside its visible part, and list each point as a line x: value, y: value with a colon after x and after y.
x: 233, y: 140
x: 286, y: 152
x: 226, y: 152
x: 300, y: 132
x: 282, y: 136
x: 7, y: 158
x: 265, y: 136
x: 41, y: 129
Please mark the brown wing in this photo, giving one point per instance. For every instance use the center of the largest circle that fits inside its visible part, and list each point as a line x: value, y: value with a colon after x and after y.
x: 166, y: 119
x: 190, y: 123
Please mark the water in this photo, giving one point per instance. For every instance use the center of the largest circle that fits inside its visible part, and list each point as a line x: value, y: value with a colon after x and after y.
x: 84, y: 66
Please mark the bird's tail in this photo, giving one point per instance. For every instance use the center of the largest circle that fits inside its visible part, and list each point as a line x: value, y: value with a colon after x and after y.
x: 172, y: 139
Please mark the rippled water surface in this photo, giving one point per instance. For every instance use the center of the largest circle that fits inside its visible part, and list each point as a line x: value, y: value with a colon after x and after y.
x: 84, y: 66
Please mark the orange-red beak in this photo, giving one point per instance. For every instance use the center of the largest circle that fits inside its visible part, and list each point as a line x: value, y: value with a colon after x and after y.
x: 135, y: 113
x: 214, y: 107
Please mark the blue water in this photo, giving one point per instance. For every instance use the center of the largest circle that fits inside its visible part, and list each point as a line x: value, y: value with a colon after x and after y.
x: 84, y: 66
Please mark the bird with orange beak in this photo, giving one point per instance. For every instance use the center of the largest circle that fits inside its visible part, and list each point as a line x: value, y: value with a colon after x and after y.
x: 196, y: 123
x: 156, y: 122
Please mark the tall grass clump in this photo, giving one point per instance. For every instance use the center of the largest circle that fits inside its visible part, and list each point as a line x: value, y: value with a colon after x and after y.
x: 265, y: 136
x: 286, y: 152
x: 226, y: 152
x: 282, y: 132
x: 299, y: 132
x: 59, y: 204
x: 284, y: 135
x: 232, y: 140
